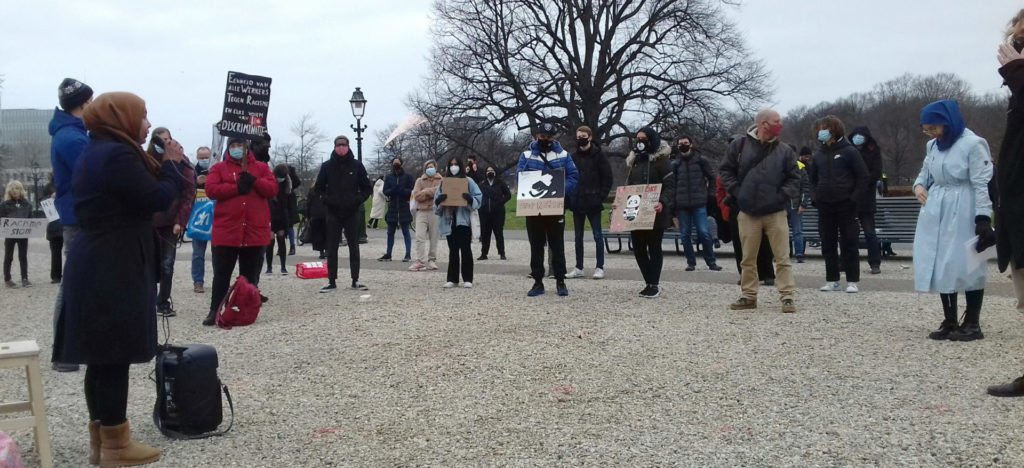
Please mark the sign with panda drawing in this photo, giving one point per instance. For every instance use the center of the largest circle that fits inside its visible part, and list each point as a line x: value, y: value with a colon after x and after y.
x: 541, y: 193
x: 634, y: 207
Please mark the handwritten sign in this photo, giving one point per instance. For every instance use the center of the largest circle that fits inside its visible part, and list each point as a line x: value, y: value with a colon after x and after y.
x: 246, y: 102
x: 541, y: 193
x: 23, y: 228
x: 634, y: 207
x: 454, y: 187
x: 49, y: 209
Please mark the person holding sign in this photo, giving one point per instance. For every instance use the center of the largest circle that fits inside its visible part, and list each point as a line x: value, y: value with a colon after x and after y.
x: 107, y: 322
x: 15, y: 205
x: 455, y: 222
x: 241, y: 186
x: 649, y: 163
x: 547, y: 154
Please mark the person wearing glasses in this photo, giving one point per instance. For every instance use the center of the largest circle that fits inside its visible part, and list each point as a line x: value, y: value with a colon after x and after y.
x: 343, y: 183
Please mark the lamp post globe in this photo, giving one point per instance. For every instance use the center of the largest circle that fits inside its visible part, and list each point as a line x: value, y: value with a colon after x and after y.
x: 358, y: 103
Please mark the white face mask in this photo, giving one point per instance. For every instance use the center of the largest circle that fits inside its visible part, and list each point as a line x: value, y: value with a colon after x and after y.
x: 453, y: 170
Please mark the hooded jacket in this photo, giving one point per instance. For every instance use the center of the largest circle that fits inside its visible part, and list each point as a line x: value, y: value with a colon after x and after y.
x: 646, y: 168
x: 240, y: 220
x: 837, y: 174
x: 595, y: 181
x: 343, y: 183
x: 398, y: 188
x: 69, y: 140
x: 872, y: 156
x: 761, y: 177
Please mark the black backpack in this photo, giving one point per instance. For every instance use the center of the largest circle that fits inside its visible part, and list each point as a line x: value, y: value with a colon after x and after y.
x: 188, y: 401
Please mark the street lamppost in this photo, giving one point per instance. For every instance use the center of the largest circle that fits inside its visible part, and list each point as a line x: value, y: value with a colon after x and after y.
x: 358, y: 103
x: 358, y: 109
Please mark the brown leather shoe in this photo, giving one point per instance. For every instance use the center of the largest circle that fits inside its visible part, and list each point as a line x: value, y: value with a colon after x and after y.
x: 198, y: 288
x: 94, y: 442
x: 788, y: 306
x: 744, y: 304
x: 1012, y: 389
x: 118, y: 449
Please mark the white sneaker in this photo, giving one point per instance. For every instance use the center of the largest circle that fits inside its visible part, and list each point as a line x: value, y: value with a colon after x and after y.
x: 467, y: 284
x: 575, y: 273
x: 598, y: 273
x: 830, y: 287
x: 449, y: 285
x: 431, y: 265
x: 852, y: 288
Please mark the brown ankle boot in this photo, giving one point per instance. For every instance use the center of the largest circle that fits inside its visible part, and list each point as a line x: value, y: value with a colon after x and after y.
x: 118, y: 449
x: 94, y: 442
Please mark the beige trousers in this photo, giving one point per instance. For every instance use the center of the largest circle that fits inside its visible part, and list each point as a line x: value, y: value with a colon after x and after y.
x: 426, y: 230
x: 776, y: 227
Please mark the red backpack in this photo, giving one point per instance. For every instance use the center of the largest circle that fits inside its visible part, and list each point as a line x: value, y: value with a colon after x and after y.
x: 240, y: 306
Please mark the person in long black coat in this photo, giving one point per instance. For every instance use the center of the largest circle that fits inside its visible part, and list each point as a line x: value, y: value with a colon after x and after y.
x: 398, y: 187
x: 1009, y: 174
x: 108, y: 320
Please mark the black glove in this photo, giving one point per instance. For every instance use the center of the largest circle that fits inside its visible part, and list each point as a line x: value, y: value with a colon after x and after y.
x: 245, y: 182
x: 468, y: 198
x: 986, y: 236
x: 440, y: 198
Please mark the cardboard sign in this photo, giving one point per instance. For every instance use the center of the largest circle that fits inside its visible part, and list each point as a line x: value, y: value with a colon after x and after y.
x: 541, y: 193
x: 49, y: 209
x: 23, y: 228
x: 454, y: 187
x: 634, y: 207
x: 246, y: 102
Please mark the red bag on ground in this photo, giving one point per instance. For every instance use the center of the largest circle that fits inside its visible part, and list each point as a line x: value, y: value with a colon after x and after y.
x: 240, y: 306
x: 311, y: 270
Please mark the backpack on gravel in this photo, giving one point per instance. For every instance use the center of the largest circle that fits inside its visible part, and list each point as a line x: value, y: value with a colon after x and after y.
x: 241, y: 305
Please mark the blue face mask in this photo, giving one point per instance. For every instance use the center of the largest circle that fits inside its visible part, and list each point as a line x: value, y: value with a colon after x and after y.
x: 824, y: 135
x: 858, y: 140
x: 431, y: 171
x: 203, y: 163
x: 235, y: 153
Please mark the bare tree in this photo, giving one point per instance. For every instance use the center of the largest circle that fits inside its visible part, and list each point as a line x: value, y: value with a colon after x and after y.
x: 285, y: 153
x: 514, y: 63
x: 310, y: 138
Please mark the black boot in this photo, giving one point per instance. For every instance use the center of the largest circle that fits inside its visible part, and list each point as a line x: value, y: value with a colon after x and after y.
x: 949, y: 323
x: 970, y: 330
x: 210, y: 319
x: 1012, y: 389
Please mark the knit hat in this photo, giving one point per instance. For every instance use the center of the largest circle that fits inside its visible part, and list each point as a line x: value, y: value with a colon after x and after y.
x: 234, y: 140
x: 73, y: 93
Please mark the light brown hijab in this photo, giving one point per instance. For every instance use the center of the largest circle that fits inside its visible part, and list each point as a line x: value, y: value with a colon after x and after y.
x: 119, y: 116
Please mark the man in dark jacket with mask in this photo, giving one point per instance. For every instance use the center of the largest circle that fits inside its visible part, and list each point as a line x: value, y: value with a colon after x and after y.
x: 694, y: 180
x: 872, y: 156
x: 760, y: 173
x: 343, y: 183
x: 588, y: 201
x: 492, y: 213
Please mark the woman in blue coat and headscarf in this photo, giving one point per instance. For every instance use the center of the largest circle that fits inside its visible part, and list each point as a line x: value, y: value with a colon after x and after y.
x: 953, y: 191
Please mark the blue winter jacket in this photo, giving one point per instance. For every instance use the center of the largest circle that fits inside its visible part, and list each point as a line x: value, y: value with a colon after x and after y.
x: 69, y: 140
x: 461, y: 213
x: 557, y: 158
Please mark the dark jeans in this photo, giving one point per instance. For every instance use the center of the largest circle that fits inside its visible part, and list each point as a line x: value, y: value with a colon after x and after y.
x: 106, y: 393
x: 392, y: 227
x: 282, y: 251
x: 335, y: 226
x: 168, y: 249
x: 837, y: 225
x: 9, y: 257
x: 796, y: 230
x: 460, y: 254
x: 198, y: 260
x: 291, y: 237
x: 698, y: 216
x: 765, y: 259
x: 867, y: 224
x: 546, y: 231
x: 224, y: 259
x: 648, y: 254
x: 57, y: 259
x: 492, y: 222
x: 578, y: 220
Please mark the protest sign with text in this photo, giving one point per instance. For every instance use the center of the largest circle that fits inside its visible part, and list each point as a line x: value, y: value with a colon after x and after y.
x: 541, y: 193
x: 23, y: 228
x: 634, y: 207
x: 246, y: 102
x: 49, y: 210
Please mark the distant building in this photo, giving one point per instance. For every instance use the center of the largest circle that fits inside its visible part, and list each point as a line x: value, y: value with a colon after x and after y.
x: 25, y: 146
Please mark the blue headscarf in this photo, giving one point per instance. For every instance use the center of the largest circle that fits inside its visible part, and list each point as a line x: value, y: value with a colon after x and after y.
x: 947, y: 114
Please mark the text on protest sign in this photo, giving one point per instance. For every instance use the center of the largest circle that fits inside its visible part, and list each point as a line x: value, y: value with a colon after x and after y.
x: 22, y: 228
x: 634, y: 207
x: 49, y: 210
x: 541, y: 193
x: 246, y: 102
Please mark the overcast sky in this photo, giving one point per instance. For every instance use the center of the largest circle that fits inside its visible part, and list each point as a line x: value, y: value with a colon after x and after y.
x: 176, y: 55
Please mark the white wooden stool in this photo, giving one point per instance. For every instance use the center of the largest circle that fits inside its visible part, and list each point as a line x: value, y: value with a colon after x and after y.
x: 26, y: 354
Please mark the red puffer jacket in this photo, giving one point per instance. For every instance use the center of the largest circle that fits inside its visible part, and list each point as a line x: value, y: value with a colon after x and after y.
x: 240, y: 220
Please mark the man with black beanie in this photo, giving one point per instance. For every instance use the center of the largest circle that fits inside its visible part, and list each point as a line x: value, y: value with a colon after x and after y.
x: 69, y: 139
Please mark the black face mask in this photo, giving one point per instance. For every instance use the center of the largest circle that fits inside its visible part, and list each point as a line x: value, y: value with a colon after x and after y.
x: 398, y: 167
x: 581, y: 142
x: 684, y: 148
x: 1018, y: 43
x: 490, y: 176
x: 545, y: 145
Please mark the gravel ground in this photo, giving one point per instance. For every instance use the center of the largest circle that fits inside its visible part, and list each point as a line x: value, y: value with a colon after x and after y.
x: 418, y: 375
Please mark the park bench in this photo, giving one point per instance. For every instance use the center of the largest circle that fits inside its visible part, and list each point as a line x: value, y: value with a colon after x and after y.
x: 895, y: 220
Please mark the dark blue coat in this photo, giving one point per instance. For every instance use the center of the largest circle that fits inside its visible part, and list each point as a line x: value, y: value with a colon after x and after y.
x: 69, y: 139
x: 398, y: 189
x: 109, y: 313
